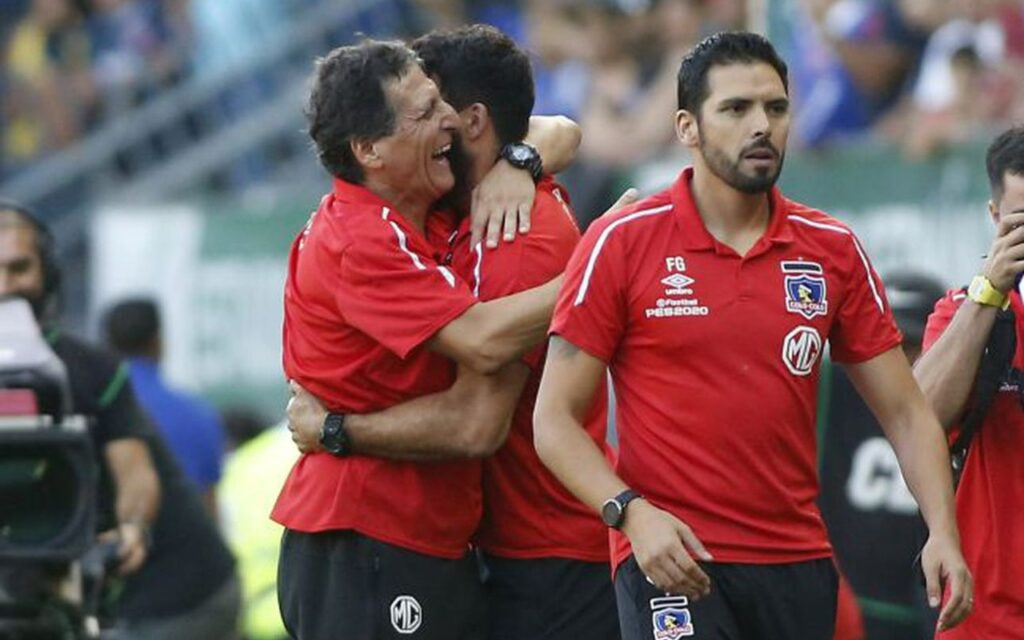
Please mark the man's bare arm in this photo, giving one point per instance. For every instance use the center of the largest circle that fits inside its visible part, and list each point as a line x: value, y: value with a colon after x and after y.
x: 659, y: 540
x: 138, y: 497
x: 491, y: 334
x: 888, y: 387
x: 557, y: 138
x: 468, y: 420
x: 946, y: 372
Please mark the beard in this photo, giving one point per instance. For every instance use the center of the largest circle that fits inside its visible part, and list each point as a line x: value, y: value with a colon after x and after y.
x: 459, y: 198
x: 729, y: 171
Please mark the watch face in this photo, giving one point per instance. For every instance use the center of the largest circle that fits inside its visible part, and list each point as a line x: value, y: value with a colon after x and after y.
x: 520, y: 153
x: 611, y: 513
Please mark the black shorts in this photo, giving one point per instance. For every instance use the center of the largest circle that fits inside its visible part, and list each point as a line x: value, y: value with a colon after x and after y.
x: 549, y: 599
x: 747, y: 602
x: 341, y: 585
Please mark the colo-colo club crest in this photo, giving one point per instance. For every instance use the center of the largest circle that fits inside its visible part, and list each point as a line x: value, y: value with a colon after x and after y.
x: 806, y: 290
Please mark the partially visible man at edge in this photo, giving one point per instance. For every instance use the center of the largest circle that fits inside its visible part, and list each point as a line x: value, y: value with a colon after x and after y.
x: 710, y: 304
x: 546, y: 553
x: 141, y: 488
x: 991, y: 491
x: 371, y: 319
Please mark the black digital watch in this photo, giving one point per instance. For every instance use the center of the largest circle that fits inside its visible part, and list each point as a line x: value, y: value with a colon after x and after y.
x: 522, y: 155
x: 333, y: 436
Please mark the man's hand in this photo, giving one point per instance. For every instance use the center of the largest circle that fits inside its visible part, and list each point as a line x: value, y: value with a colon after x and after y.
x: 1006, y: 255
x: 132, y: 545
x: 501, y: 204
x: 305, y: 419
x: 662, y: 545
x: 944, y: 569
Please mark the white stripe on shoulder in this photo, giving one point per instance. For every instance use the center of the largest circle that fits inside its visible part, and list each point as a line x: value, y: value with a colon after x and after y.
x: 856, y: 245
x: 449, y: 277
x: 478, y: 249
x: 402, y: 244
x: 596, y: 251
x: 959, y: 296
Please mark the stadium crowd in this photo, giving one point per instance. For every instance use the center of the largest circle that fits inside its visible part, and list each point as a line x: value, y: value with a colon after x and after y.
x: 921, y: 73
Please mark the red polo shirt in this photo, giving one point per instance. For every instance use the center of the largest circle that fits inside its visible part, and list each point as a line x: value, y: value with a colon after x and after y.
x: 989, y: 499
x: 363, y: 295
x: 714, y: 361
x: 527, y: 511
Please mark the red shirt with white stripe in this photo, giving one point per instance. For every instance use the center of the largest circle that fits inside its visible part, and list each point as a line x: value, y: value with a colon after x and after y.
x: 989, y: 498
x: 527, y: 511
x: 363, y: 295
x: 714, y: 360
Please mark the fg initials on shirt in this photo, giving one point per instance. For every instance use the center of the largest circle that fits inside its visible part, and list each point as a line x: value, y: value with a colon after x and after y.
x: 679, y: 298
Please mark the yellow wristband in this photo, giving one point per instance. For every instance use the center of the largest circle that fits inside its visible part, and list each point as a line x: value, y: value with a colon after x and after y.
x: 983, y: 292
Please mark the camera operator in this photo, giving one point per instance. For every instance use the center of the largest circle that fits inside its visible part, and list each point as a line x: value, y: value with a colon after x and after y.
x: 179, y: 579
x: 991, y: 489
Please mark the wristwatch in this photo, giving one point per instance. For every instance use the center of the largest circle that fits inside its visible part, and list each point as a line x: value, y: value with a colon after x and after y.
x: 333, y: 436
x: 522, y: 155
x: 982, y: 291
x: 613, y: 511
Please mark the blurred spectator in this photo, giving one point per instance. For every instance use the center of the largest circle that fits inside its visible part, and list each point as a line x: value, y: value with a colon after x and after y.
x: 872, y: 519
x: 131, y: 57
x: 630, y: 98
x: 191, y: 428
x: 253, y: 476
x: 49, y: 95
x: 967, y: 82
x: 849, y: 61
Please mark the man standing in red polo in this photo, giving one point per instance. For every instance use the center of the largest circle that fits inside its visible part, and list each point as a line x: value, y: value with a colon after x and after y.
x: 710, y: 303
x: 375, y: 547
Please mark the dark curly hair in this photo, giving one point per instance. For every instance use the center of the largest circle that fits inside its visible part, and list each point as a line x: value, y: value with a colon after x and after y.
x: 1005, y: 155
x: 347, y: 101
x: 723, y: 48
x: 479, y: 63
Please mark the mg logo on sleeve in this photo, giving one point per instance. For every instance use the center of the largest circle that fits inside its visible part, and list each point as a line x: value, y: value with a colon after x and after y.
x: 800, y: 350
x: 406, y: 615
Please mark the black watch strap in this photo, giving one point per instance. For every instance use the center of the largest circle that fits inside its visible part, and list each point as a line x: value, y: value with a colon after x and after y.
x: 613, y: 513
x: 523, y: 155
x: 333, y: 436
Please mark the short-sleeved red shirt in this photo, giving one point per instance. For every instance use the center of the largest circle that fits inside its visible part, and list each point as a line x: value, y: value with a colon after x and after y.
x: 363, y: 295
x: 527, y: 511
x: 714, y: 361
x: 989, y: 499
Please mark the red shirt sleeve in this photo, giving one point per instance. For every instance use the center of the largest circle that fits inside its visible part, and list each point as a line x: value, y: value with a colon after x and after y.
x: 864, y: 326
x: 592, y: 310
x: 941, y: 316
x: 395, y: 294
x: 530, y: 260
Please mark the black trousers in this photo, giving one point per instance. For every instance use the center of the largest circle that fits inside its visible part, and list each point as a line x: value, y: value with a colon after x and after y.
x: 341, y: 585
x: 747, y: 602
x: 549, y: 599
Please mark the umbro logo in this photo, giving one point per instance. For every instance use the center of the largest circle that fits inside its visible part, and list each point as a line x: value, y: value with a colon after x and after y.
x: 678, y: 284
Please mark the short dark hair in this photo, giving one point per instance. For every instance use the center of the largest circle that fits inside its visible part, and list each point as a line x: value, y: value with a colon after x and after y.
x: 132, y: 325
x: 348, y: 102
x: 478, y: 63
x: 727, y: 47
x: 1005, y: 155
